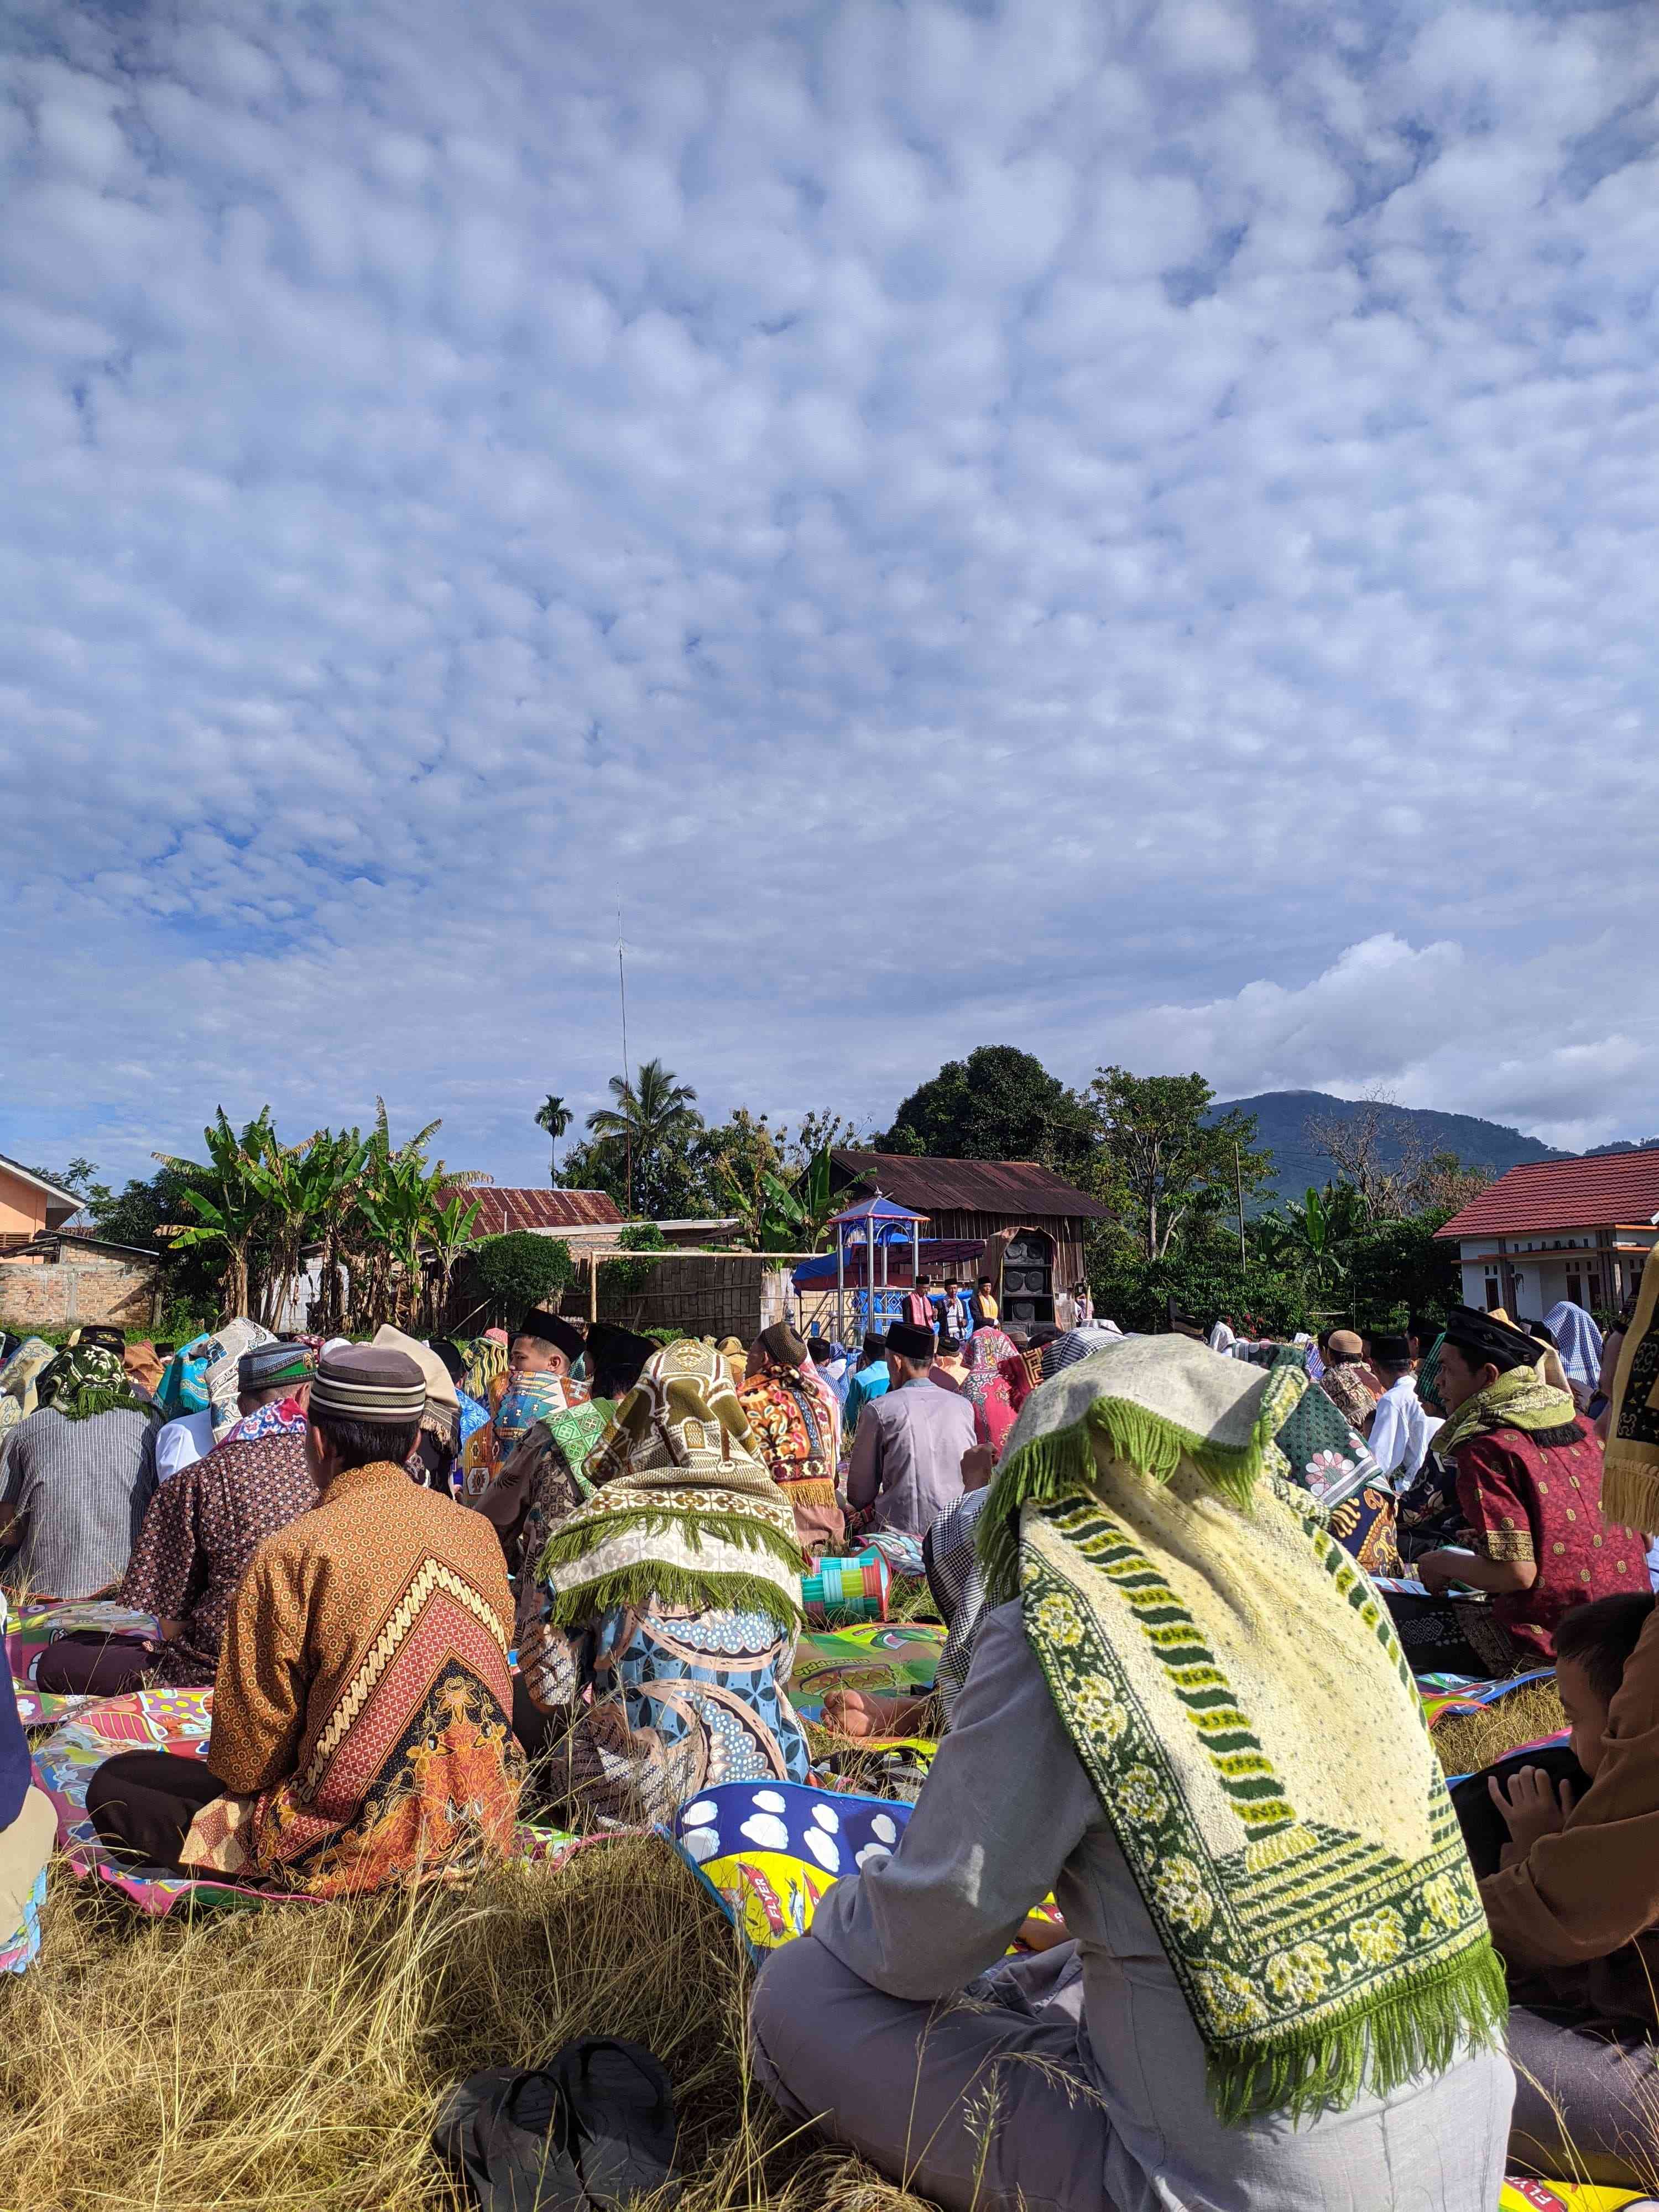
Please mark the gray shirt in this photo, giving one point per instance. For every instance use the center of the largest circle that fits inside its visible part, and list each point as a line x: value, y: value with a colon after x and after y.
x: 906, y: 1455
x: 1008, y: 1814
x: 78, y: 1490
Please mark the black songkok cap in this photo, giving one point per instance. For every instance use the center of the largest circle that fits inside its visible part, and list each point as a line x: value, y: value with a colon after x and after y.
x: 552, y: 1328
x: 1392, y: 1351
x: 616, y: 1357
x: 1483, y: 1338
x: 909, y: 1342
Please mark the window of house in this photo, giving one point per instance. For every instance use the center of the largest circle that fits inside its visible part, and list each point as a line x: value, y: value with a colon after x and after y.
x: 1595, y: 1286
x: 1575, y: 1287
x: 1492, y: 1300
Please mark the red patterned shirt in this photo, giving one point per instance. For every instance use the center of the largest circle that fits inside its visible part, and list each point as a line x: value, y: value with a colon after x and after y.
x: 1524, y: 1500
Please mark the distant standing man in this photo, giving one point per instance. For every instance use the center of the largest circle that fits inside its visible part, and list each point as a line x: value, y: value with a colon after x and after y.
x: 907, y: 1457
x: 1401, y: 1426
x: 982, y: 1306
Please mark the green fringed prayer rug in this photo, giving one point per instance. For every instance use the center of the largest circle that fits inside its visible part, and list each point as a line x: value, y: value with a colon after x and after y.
x: 1234, y: 1688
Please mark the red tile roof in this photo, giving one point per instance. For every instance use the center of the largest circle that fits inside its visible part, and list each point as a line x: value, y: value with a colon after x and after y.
x: 500, y: 1211
x: 1017, y: 1188
x: 1554, y: 1194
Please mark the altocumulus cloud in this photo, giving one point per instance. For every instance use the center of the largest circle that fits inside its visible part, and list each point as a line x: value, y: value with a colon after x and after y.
x: 1126, y: 529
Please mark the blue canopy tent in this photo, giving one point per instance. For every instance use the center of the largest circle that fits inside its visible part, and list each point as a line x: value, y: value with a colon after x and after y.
x: 865, y: 1233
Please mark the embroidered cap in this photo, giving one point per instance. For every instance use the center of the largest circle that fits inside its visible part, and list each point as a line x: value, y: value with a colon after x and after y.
x: 268, y: 1364
x: 368, y: 1382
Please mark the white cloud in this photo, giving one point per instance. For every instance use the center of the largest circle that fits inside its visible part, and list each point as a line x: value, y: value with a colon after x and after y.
x: 962, y: 524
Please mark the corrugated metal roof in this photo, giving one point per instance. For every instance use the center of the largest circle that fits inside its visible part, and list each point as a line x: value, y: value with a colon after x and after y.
x: 1584, y: 1193
x: 1013, y: 1188
x: 500, y: 1211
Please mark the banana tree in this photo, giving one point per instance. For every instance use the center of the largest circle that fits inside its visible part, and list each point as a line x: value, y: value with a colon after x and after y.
x: 230, y: 1196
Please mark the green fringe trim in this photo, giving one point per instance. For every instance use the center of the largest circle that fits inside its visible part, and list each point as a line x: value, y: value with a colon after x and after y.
x: 1062, y: 1464
x: 678, y: 1586
x: 568, y: 1546
x: 1372, y: 2047
x: 94, y: 1398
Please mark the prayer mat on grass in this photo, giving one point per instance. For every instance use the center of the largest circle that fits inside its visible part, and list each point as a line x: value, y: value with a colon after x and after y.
x: 180, y: 1722
x: 1522, y: 2196
x: 896, y: 1658
x: 1472, y: 1697
x: 38, y: 1627
x: 768, y: 1852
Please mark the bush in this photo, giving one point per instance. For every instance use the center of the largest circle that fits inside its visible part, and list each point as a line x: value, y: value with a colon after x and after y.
x: 620, y: 1279
x: 1135, y: 1292
x: 521, y: 1270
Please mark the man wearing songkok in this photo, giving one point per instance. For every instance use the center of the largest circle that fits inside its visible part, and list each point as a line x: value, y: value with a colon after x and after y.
x: 669, y: 1605
x: 1528, y: 1487
x: 545, y: 1344
x: 76, y: 1476
x: 362, y: 1728
x: 907, y: 1457
x: 1401, y: 1427
x: 201, y: 1530
x: 1347, y: 1380
x: 1187, y: 1718
x: 794, y: 1418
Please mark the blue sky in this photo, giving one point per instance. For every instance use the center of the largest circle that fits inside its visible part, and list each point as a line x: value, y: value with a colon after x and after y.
x: 1125, y: 530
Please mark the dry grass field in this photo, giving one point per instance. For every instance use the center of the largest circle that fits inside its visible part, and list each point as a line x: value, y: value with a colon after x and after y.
x: 290, y: 2059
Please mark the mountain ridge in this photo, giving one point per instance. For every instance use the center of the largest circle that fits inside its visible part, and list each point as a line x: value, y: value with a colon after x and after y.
x: 1282, y: 1117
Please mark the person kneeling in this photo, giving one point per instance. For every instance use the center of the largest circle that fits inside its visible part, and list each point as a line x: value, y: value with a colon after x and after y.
x: 361, y: 1728
x: 1574, y: 1911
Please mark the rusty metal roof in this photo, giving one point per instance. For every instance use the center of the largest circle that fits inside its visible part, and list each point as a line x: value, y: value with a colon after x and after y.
x: 500, y: 1211
x: 1016, y: 1188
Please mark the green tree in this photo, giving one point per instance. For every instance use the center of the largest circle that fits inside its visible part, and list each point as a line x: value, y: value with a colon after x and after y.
x: 622, y: 1279
x: 1000, y: 1103
x: 225, y: 1196
x: 1314, y: 1237
x: 649, y: 1132
x: 1166, y: 1169
x: 556, y: 1117
x: 1397, y: 1269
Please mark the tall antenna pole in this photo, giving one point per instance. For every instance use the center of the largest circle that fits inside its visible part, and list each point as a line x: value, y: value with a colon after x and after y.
x: 622, y: 987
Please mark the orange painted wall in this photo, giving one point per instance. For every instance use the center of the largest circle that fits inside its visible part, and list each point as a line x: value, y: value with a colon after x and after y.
x: 22, y: 1208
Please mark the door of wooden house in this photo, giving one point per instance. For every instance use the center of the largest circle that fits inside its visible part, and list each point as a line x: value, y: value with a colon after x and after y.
x: 1028, y: 1279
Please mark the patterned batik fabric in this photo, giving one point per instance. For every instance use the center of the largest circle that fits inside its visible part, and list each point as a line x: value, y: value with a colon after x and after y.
x: 555, y: 1488
x: 679, y: 1701
x: 200, y: 1532
x: 285, y: 1417
x: 362, y: 1718
x: 1632, y: 1457
x: 957, y: 1589
x: 768, y: 1854
x: 1523, y: 1500
x: 1236, y: 1693
x: 1317, y: 1447
x: 794, y: 1434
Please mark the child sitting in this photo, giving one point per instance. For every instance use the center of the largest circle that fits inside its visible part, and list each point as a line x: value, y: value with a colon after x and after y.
x: 1574, y: 1910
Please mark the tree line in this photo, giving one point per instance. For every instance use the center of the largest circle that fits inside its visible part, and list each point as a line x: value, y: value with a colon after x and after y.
x: 1183, y: 1185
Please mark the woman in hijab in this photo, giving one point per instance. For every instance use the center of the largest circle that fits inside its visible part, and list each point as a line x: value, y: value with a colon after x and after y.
x: 996, y: 1385
x: 793, y: 1418
x: 668, y: 1610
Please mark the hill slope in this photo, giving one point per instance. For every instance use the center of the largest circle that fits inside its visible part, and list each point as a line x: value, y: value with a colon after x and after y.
x: 1283, y: 1116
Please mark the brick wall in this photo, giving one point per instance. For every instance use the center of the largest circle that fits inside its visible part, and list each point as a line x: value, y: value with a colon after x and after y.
x: 36, y: 1294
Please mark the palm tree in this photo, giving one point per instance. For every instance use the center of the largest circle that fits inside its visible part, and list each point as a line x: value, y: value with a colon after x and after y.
x: 650, y: 1114
x: 235, y: 1207
x: 555, y: 1118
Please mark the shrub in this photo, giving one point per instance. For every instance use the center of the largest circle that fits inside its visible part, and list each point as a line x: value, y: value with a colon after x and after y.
x: 620, y: 1280
x: 521, y: 1270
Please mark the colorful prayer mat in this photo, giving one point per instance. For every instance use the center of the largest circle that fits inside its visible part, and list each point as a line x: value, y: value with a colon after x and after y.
x: 18, y: 1950
x: 768, y: 1854
x: 1522, y: 2196
x: 847, y: 1590
x: 1473, y: 1697
x: 898, y: 1658
x: 36, y: 1629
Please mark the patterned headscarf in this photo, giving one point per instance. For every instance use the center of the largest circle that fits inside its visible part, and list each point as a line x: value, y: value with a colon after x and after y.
x: 87, y: 1379
x: 996, y: 1385
x: 20, y: 1380
x: 686, y: 1515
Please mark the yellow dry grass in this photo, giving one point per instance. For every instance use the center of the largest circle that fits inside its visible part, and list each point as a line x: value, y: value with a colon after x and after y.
x: 290, y: 2059
x: 1469, y: 1742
